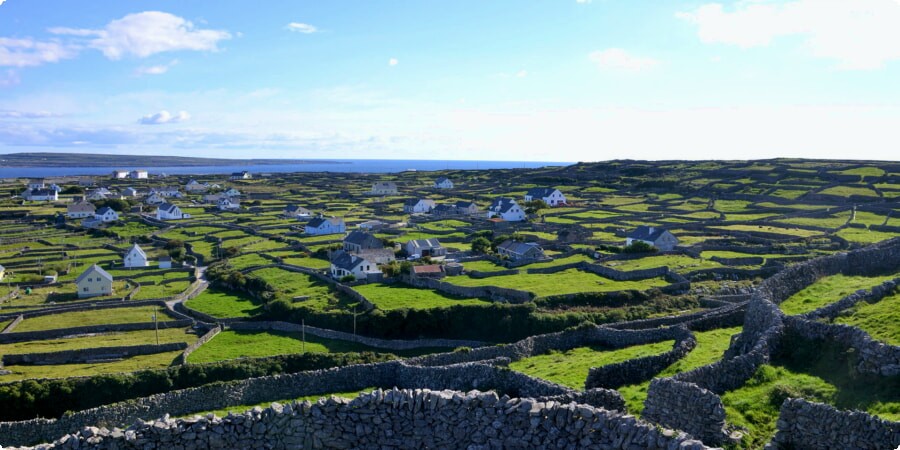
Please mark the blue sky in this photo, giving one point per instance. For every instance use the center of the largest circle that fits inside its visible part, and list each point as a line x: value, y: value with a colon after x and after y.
x: 543, y: 80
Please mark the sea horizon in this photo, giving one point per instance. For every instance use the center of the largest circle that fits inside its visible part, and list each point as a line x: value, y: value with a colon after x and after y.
x: 331, y: 165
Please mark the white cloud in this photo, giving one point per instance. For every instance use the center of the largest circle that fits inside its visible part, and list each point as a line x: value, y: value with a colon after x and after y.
x: 9, y: 78
x: 858, y: 34
x: 522, y: 73
x: 147, y: 33
x: 619, y: 59
x: 28, y: 52
x: 583, y: 1
x: 393, y: 62
x: 164, y: 117
x: 304, y: 28
x: 155, y: 70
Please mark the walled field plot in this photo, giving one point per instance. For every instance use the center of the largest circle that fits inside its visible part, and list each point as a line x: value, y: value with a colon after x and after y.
x: 828, y: 290
x: 678, y: 263
x: 133, y: 364
x: 570, y: 368
x: 138, y: 314
x: 569, y: 281
x: 388, y: 297
x: 321, y: 296
x: 222, y: 304
x: 100, y: 340
x: 881, y: 319
x: 251, y: 344
x: 864, y: 236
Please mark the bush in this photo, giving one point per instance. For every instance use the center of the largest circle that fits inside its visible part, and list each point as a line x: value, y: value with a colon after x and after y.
x: 639, y: 247
x: 348, y: 278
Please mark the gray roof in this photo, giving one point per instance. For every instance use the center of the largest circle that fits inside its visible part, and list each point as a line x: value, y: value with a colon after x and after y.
x: 540, y: 192
x: 465, y: 204
x: 502, y: 204
x: 104, y: 210
x: 94, y: 268
x: 136, y: 248
x: 346, y: 261
x: 363, y: 239
x: 319, y: 221
x: 444, y: 208
x: 296, y: 208
x: 167, y: 207
x: 425, y: 243
x: 441, y: 180
x: 646, y: 233
x: 517, y: 247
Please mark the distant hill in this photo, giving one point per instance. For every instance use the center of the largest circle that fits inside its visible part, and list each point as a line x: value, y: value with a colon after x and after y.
x: 130, y: 161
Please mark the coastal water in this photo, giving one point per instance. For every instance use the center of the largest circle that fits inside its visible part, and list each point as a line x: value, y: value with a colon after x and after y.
x: 340, y: 165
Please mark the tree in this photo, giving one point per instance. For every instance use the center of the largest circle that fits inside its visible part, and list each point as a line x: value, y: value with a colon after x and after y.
x: 481, y: 246
x: 534, y: 206
x: 639, y: 247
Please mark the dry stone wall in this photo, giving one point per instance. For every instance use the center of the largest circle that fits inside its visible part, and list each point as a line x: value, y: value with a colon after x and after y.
x: 86, y: 355
x: 803, y: 424
x: 685, y: 406
x: 638, y: 370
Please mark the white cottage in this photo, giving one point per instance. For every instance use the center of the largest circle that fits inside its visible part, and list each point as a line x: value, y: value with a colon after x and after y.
x: 323, y: 225
x: 443, y: 183
x: 550, y: 196
x: 168, y: 211
x: 135, y: 257
x: 506, y: 209
x: 420, y: 205
x: 94, y: 282
x: 106, y: 214
x: 346, y: 264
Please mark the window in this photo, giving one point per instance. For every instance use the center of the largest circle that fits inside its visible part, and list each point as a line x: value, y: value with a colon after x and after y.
x: 85, y: 289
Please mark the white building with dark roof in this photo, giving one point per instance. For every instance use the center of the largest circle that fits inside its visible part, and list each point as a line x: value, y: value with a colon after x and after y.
x: 325, y: 225
x: 506, y: 209
x: 443, y: 183
x: 653, y: 236
x: 135, y: 257
x: 94, y: 282
x: 550, y: 196
x: 168, y: 211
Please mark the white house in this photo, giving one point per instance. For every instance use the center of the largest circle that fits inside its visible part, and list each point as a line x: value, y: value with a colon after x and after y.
x: 323, y: 225
x: 138, y: 174
x: 97, y: 194
x: 360, y: 240
x: 506, y: 209
x: 229, y: 203
x: 232, y: 192
x: 346, y: 264
x: 550, y: 196
x: 653, y: 236
x: 154, y: 199
x: 165, y: 262
x: 119, y: 174
x: 135, y: 257
x: 384, y: 188
x: 93, y: 282
x: 242, y: 175
x: 106, y: 214
x: 168, y: 211
x: 520, y: 251
x: 168, y: 191
x: 443, y: 183
x: 194, y: 186
x: 295, y: 211
x: 80, y: 210
x: 425, y: 247
x: 36, y: 183
x: 40, y: 195
x: 422, y: 205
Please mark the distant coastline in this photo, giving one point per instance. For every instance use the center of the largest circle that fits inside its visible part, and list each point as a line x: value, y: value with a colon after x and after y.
x: 45, y: 159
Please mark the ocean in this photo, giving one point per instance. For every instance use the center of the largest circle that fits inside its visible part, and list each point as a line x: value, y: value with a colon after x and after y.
x: 340, y: 165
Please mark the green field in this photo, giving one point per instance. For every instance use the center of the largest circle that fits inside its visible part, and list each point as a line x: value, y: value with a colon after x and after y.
x: 879, y: 319
x: 292, y: 284
x: 678, y: 263
x: 253, y: 344
x: 569, y: 281
x: 137, y: 314
x: 570, y: 368
x: 828, y: 290
x: 222, y: 304
x: 135, y: 363
x: 115, y: 339
x: 396, y: 296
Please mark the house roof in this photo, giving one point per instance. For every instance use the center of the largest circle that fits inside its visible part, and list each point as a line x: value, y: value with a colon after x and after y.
x: 540, y: 192
x: 503, y: 204
x: 319, y: 221
x: 444, y: 208
x: 385, y: 185
x: 430, y: 268
x: 441, y: 180
x: 94, y: 269
x: 81, y: 207
x: 347, y: 261
x: 647, y: 233
x: 296, y: 209
x: 416, y: 201
x: 138, y: 249
x: 465, y: 204
x: 42, y: 192
x: 104, y: 210
x: 425, y: 243
x: 519, y: 248
x: 167, y: 207
x: 363, y: 239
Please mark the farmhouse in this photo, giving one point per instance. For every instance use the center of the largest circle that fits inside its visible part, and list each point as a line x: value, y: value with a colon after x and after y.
x: 106, y: 214
x: 295, y: 211
x: 322, y: 225
x: 431, y: 248
x: 520, y: 251
x: 194, y: 186
x: 165, y: 262
x: 135, y: 257
x: 168, y: 191
x: 654, y: 236
x: 154, y: 199
x: 98, y: 194
x: 138, y: 174
x: 40, y: 195
x: 466, y: 208
x: 36, y: 183
x: 93, y: 282
x: 130, y: 192
x: 384, y: 188
x: 346, y: 264
x: 229, y: 203
x: 119, y: 174
x: 80, y: 210
x: 232, y: 192
x: 443, y: 183
x: 242, y: 175
x: 506, y: 209
x: 360, y: 240
x: 413, y: 206
x: 377, y: 255
x: 550, y: 196
x: 444, y: 210
x: 168, y: 211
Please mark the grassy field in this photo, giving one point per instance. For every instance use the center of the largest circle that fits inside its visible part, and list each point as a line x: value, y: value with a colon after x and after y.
x: 879, y: 319
x: 141, y: 362
x: 252, y: 344
x: 293, y: 284
x: 847, y: 191
x: 570, y: 368
x: 117, y: 339
x: 222, y: 304
x: 864, y: 236
x: 387, y: 297
x: 566, y: 282
x: 678, y: 263
x: 710, y: 347
x: 828, y: 290
x: 93, y: 317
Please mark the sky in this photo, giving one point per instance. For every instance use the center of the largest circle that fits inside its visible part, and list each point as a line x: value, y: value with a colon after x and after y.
x: 523, y: 80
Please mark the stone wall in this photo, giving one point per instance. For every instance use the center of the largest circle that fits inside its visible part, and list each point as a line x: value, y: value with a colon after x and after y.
x: 685, y: 406
x: 12, y: 325
x: 182, y: 359
x: 86, y: 355
x: 638, y: 370
x: 340, y: 335
x: 803, y: 424
x: 26, y: 336
x: 872, y: 357
x: 496, y: 273
x: 397, y: 419
x: 875, y: 294
x: 487, y: 292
